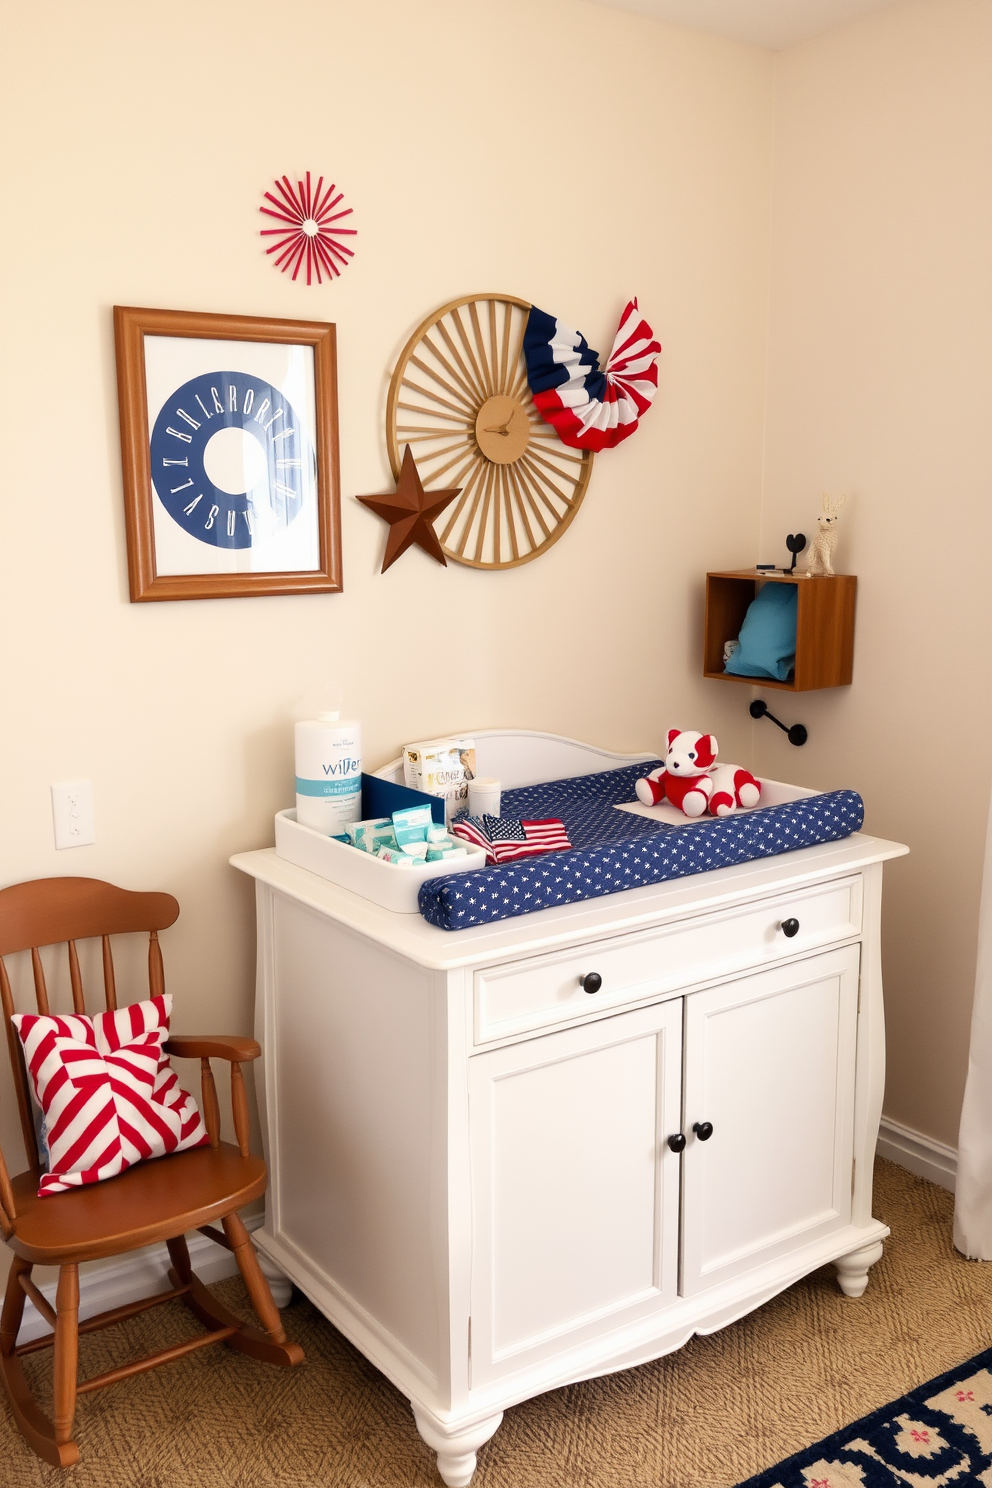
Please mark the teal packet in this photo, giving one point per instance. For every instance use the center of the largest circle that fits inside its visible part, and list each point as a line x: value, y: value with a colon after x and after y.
x: 440, y: 852
x: 368, y: 835
x: 410, y: 824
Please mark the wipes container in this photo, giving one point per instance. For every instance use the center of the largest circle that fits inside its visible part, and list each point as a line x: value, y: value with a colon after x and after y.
x: 329, y: 773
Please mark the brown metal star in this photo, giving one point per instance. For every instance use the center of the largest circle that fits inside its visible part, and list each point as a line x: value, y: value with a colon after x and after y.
x: 410, y: 513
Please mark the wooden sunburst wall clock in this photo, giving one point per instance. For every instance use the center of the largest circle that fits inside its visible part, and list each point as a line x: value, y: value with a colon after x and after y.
x: 460, y: 398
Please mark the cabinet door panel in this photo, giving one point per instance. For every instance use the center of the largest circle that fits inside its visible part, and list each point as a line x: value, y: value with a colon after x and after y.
x: 575, y: 1191
x: 770, y: 1061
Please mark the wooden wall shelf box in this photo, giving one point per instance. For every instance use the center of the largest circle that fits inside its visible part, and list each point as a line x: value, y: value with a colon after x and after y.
x: 824, y: 626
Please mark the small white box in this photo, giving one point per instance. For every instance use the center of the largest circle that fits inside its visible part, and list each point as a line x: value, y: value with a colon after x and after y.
x: 384, y: 883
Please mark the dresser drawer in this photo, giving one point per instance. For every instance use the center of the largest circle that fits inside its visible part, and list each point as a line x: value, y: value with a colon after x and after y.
x: 515, y: 999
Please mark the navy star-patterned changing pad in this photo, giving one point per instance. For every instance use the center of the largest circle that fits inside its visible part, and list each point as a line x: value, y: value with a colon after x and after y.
x: 615, y: 850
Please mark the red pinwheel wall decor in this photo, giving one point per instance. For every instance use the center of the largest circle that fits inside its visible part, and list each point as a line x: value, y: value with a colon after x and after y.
x: 309, y: 233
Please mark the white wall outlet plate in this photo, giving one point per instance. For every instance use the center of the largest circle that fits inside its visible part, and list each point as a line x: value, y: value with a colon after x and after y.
x: 72, y: 812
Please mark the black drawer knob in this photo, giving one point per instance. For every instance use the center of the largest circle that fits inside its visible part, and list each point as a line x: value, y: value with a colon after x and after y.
x: 676, y: 1141
x: 703, y: 1130
x: 591, y: 982
x: 789, y: 928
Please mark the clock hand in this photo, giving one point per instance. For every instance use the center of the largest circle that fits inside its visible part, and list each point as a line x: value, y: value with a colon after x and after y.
x: 503, y: 428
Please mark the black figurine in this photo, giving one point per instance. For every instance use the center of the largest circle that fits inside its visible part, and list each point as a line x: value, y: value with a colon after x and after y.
x: 795, y: 544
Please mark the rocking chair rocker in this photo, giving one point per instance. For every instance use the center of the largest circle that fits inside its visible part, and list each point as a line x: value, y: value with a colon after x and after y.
x: 153, y: 1201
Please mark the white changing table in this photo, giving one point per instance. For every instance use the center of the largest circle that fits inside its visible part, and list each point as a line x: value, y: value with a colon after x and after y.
x: 496, y: 1180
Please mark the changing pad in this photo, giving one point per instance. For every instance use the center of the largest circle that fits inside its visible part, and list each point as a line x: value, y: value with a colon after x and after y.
x: 615, y: 850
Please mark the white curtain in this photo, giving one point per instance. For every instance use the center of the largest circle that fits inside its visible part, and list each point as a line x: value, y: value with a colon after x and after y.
x: 973, y: 1203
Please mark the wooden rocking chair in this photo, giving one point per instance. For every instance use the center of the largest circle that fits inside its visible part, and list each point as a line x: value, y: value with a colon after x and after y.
x: 154, y: 1201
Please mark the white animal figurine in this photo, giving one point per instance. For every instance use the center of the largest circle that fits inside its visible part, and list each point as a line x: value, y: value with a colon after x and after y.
x: 822, y: 547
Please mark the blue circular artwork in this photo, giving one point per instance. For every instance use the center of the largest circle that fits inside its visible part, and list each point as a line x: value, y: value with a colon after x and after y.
x: 194, y: 482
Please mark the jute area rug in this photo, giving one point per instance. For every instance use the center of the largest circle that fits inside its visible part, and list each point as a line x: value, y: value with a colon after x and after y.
x: 710, y: 1416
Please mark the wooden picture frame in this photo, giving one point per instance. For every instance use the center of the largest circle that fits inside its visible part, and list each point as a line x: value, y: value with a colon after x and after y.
x: 272, y: 387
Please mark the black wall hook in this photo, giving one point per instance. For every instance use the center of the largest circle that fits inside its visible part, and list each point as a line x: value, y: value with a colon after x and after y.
x: 797, y: 733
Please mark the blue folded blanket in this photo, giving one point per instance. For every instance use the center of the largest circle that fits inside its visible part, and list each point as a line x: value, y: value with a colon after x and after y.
x: 615, y: 850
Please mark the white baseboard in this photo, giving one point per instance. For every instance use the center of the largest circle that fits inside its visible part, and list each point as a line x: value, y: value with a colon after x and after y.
x: 139, y: 1273
x: 924, y: 1156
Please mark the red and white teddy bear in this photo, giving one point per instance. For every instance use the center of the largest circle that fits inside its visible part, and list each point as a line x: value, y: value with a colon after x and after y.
x: 692, y: 780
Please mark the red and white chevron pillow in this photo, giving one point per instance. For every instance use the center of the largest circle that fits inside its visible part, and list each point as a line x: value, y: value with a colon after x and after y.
x: 108, y: 1094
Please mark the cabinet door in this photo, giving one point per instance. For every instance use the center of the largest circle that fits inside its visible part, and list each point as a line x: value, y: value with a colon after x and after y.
x: 770, y: 1062
x: 575, y: 1190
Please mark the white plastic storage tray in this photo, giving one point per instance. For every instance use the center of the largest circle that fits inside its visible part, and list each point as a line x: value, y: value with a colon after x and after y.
x: 361, y: 872
x: 515, y: 757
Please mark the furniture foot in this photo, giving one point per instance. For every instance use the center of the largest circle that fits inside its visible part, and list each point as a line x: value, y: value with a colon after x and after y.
x: 852, y: 1270
x: 279, y: 1283
x: 455, y: 1447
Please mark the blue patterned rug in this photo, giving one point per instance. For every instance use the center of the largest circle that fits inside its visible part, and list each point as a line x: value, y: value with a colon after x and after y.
x: 937, y: 1435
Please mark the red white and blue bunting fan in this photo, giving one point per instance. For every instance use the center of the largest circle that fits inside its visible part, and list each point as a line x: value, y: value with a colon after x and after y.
x: 590, y: 408
x: 309, y: 232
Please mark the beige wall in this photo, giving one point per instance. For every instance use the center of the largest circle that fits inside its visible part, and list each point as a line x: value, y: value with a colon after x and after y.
x: 563, y: 152
x: 880, y: 383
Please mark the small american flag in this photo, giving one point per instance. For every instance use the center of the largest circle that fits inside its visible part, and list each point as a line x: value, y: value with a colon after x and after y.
x: 503, y: 838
